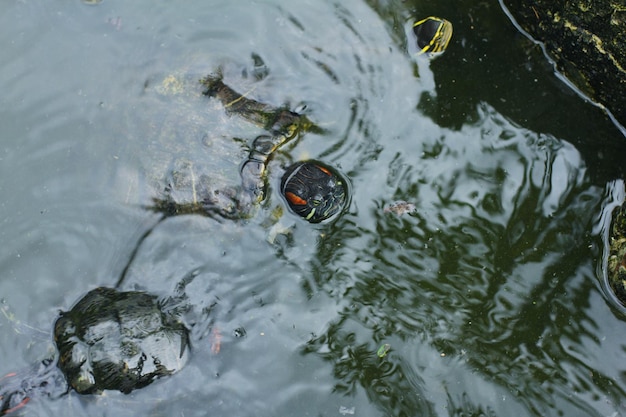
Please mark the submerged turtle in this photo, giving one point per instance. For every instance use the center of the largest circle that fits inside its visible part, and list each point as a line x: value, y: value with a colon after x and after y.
x: 110, y: 340
x: 192, y: 187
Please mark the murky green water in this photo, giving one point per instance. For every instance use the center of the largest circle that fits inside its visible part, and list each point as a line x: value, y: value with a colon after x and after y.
x: 489, y: 294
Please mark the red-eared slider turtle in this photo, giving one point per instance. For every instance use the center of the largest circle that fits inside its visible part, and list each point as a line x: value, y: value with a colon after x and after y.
x: 189, y: 192
x: 110, y: 340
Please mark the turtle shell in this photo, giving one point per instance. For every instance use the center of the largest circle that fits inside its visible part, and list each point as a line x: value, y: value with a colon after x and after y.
x: 118, y: 341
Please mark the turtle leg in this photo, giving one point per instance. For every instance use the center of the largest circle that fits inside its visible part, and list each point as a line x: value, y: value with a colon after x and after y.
x: 273, y: 119
x: 253, y: 180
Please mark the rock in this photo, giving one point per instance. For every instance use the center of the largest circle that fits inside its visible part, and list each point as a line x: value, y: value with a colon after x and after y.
x: 587, y: 41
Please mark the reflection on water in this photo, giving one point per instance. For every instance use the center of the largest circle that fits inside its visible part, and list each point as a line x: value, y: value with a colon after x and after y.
x: 486, y: 292
x: 484, y: 273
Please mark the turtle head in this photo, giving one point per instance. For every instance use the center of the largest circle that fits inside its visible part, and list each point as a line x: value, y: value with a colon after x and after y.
x: 314, y: 190
x: 433, y: 35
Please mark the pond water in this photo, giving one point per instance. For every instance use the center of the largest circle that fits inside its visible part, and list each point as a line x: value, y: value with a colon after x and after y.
x: 489, y: 294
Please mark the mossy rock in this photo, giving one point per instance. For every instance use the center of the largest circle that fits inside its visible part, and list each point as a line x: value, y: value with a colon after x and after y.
x: 587, y: 41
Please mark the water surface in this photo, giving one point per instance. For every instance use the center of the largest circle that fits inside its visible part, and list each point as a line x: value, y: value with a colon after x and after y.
x: 489, y: 293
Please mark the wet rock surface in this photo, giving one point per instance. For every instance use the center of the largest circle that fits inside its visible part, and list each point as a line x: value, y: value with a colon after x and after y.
x: 587, y: 41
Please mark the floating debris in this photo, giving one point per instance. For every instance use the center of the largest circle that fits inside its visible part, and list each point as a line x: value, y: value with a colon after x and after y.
x: 116, y: 22
x: 215, y: 340
x: 400, y: 207
x: 345, y: 410
x: 382, y: 351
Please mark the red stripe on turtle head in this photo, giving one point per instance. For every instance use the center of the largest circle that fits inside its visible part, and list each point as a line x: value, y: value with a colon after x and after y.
x: 294, y: 199
x: 324, y: 170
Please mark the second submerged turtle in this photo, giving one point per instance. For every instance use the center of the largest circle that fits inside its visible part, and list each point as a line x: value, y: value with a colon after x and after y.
x: 110, y: 340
